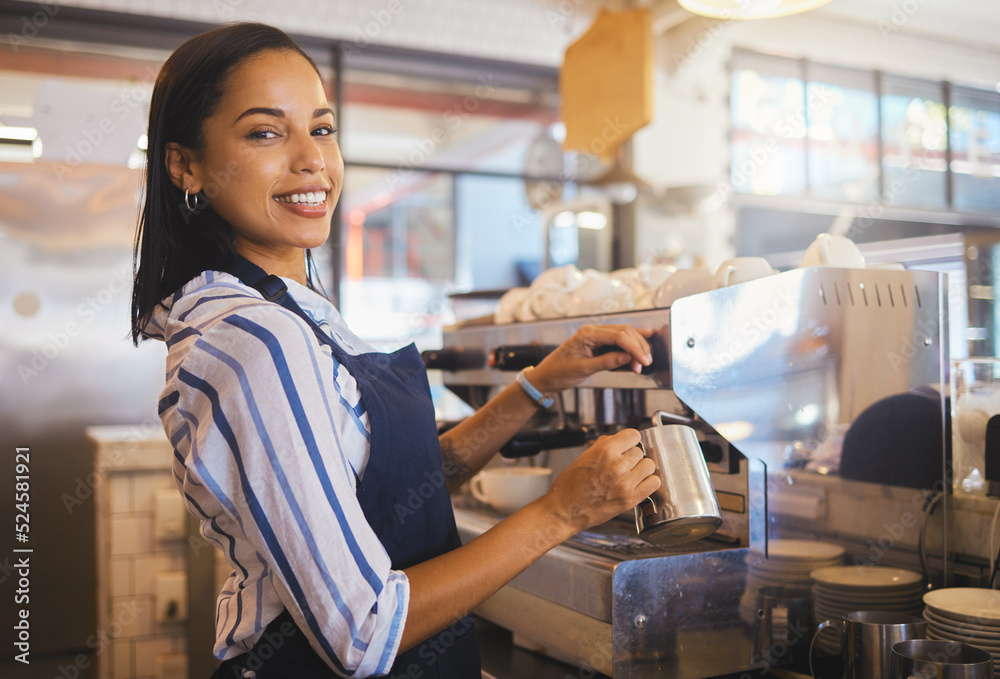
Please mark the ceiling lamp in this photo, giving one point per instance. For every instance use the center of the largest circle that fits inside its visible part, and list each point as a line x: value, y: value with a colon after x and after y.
x: 749, y: 9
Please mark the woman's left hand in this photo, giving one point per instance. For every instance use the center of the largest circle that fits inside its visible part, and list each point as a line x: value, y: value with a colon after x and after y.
x: 574, y: 360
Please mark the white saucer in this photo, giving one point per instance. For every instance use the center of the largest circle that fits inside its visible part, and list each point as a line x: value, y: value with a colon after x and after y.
x: 935, y: 633
x: 801, y: 550
x: 878, y: 577
x: 966, y: 604
x: 962, y: 627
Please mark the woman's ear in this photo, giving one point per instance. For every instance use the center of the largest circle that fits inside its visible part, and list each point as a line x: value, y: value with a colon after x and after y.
x: 181, y: 165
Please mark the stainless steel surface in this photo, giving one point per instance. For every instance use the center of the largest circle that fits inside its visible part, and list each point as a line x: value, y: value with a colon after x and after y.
x: 789, y: 358
x: 777, y: 369
x: 867, y: 638
x: 783, y: 627
x: 684, y: 507
x: 932, y: 659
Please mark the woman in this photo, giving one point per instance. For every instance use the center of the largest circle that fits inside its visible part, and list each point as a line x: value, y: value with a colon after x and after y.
x: 295, y: 443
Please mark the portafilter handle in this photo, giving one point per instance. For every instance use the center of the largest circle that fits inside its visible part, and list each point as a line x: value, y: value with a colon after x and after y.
x: 531, y: 442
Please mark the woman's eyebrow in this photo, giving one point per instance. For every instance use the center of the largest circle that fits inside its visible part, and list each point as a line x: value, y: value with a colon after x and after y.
x: 278, y: 113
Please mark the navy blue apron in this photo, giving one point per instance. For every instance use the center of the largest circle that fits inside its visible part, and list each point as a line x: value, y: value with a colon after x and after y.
x: 403, y: 496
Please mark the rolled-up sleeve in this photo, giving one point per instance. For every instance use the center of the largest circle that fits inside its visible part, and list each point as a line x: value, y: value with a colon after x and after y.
x: 253, y: 413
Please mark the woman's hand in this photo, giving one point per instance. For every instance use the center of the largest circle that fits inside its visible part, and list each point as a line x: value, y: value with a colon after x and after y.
x: 574, y: 360
x: 609, y: 478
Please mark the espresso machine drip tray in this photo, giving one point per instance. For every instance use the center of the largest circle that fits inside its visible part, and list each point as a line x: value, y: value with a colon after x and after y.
x: 615, y: 539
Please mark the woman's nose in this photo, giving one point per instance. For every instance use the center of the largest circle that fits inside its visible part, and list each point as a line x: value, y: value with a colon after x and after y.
x: 308, y: 156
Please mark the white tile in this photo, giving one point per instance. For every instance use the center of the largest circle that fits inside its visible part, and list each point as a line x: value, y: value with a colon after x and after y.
x: 131, y: 535
x: 147, y: 652
x: 146, y: 485
x: 119, y: 489
x: 132, y: 616
x: 120, y: 580
x: 121, y: 659
x: 146, y: 567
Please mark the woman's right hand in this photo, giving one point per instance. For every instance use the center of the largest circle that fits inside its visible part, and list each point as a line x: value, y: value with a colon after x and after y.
x: 610, y: 477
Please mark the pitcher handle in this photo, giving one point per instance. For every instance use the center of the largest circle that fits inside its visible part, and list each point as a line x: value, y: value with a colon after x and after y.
x: 638, y: 513
x: 838, y: 624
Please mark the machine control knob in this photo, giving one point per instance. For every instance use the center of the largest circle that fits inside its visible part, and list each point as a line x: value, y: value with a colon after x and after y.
x: 515, y: 357
x: 454, y: 359
x: 658, y: 349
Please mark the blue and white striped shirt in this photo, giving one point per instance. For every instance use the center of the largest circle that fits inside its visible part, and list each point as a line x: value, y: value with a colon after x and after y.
x: 270, y: 437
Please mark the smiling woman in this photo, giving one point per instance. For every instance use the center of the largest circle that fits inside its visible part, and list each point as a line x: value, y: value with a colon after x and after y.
x: 268, y: 161
x: 294, y: 442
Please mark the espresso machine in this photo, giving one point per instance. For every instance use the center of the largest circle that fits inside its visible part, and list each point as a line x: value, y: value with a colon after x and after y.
x: 771, y: 373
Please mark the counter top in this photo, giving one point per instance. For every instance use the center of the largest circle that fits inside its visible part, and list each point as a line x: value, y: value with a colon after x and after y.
x: 503, y: 660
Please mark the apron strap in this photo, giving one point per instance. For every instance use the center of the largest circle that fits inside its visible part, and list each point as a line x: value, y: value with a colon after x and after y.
x: 273, y: 289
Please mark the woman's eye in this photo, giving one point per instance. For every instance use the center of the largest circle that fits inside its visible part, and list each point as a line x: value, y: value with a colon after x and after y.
x: 325, y: 131
x: 262, y: 134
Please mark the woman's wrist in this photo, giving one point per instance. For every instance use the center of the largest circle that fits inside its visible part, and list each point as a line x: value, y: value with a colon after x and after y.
x: 539, y: 379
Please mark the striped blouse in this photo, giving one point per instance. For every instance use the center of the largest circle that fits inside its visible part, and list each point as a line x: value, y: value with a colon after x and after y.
x: 270, y: 438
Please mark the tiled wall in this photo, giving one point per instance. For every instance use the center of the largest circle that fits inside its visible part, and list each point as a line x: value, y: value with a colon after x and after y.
x: 534, y: 31
x: 130, y: 557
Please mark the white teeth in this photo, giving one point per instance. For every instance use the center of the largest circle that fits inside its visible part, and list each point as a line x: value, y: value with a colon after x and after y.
x: 311, y: 198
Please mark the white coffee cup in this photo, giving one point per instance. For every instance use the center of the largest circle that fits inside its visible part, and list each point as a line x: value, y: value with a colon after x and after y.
x: 681, y: 284
x: 600, y: 295
x: 507, y: 489
x: 550, y: 303
x: 835, y: 251
x: 886, y: 266
x: 567, y: 276
x: 655, y: 275
x: 740, y: 270
x: 508, y: 304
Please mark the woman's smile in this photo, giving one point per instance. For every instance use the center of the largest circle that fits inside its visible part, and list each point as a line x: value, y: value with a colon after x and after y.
x: 306, y: 201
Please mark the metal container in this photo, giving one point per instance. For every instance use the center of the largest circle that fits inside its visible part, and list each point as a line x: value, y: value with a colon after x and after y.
x: 685, y: 507
x: 783, y: 626
x: 867, y: 639
x: 933, y: 659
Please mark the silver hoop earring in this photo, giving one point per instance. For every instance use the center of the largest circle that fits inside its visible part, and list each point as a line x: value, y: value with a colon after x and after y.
x: 187, y: 202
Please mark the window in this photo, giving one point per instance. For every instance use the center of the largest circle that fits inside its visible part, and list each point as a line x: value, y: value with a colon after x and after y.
x: 846, y: 135
x: 843, y: 154
x: 915, y: 141
x: 974, y: 136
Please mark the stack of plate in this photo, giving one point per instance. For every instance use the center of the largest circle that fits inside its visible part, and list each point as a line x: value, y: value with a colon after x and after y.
x: 845, y: 589
x: 967, y: 614
x: 788, y: 564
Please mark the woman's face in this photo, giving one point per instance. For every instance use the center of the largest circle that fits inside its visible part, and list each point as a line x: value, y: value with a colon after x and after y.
x: 270, y: 163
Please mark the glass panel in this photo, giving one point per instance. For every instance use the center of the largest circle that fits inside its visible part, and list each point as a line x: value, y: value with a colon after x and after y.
x: 399, y: 253
x: 768, y: 114
x: 914, y: 139
x: 500, y: 234
x: 442, y: 125
x: 974, y: 135
x: 843, y: 134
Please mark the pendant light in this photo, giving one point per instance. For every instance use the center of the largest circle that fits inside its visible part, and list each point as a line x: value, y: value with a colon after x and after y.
x: 749, y: 9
